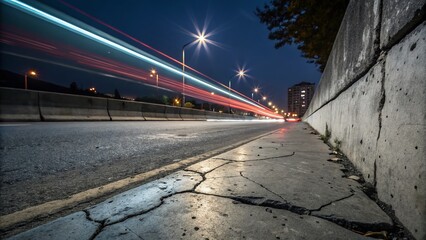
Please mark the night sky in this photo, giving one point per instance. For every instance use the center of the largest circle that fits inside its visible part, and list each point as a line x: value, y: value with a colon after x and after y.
x: 240, y: 41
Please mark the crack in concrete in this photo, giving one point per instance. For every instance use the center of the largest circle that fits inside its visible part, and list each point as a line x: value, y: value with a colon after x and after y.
x: 262, y: 186
x: 211, y: 170
x: 135, y: 233
x: 259, y: 159
x: 382, y: 101
x: 328, y: 204
x: 100, y: 227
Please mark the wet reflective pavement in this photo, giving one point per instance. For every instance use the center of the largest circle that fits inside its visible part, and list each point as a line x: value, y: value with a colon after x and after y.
x: 280, y: 186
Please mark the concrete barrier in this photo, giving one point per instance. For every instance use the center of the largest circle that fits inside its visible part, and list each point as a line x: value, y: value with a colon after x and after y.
x: 189, y: 114
x: 214, y: 115
x: 371, y: 100
x: 18, y: 105
x: 66, y: 107
x: 154, y: 112
x: 26, y: 105
x: 120, y: 110
x: 173, y: 113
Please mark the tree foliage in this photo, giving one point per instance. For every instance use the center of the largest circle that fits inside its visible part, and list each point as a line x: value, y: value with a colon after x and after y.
x: 311, y: 24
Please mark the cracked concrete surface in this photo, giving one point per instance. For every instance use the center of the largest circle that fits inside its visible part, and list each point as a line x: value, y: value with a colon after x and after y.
x: 280, y: 186
x: 143, y: 198
x: 195, y: 216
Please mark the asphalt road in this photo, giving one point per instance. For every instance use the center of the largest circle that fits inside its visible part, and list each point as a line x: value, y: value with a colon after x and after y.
x: 42, y: 162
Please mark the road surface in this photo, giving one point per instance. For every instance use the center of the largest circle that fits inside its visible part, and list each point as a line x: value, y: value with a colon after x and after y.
x: 41, y: 162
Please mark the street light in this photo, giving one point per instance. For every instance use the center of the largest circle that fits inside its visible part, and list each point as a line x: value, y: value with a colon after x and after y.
x: 155, y: 73
x: 240, y: 74
x: 252, y: 94
x: 31, y: 73
x: 201, y: 38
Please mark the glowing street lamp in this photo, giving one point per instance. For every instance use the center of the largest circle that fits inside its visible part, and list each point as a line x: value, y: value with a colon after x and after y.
x: 255, y: 91
x: 31, y: 73
x: 241, y: 73
x: 177, y: 102
x: 264, y: 98
x: 155, y: 73
x: 201, y: 38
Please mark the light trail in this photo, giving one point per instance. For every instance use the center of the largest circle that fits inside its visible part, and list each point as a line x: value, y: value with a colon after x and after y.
x: 135, y: 73
x: 153, y: 49
x: 80, y: 31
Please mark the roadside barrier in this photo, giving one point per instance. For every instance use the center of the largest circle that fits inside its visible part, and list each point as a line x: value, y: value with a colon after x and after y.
x: 18, y: 105
x: 122, y: 110
x: 172, y: 113
x: 152, y: 111
x: 67, y: 107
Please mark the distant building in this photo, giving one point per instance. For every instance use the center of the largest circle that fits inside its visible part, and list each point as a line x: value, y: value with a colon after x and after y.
x: 299, y: 97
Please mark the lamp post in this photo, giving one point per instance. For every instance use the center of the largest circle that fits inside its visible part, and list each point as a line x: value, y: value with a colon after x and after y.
x: 31, y: 73
x: 241, y: 74
x: 201, y: 39
x: 254, y: 91
x: 155, y: 73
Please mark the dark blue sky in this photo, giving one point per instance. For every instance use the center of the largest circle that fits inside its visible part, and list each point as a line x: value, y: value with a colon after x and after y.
x: 242, y: 38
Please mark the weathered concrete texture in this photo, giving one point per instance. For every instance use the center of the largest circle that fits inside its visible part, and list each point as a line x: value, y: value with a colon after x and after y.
x: 399, y: 17
x: 356, y: 122
x: 74, y: 226
x: 209, y: 217
x: 143, y: 198
x: 401, y: 165
x: 297, y: 182
x: 353, y: 52
x: 357, y: 209
x: 302, y: 182
x: 380, y: 121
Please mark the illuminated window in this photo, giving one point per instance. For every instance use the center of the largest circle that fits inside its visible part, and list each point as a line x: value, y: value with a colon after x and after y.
x: 303, y: 105
x: 302, y: 95
x: 303, y: 91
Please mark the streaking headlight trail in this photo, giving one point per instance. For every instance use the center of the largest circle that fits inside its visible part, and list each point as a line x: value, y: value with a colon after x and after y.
x: 78, y: 30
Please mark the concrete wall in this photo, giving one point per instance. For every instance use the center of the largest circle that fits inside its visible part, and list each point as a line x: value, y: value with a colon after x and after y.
x: 372, y: 98
x: 28, y: 105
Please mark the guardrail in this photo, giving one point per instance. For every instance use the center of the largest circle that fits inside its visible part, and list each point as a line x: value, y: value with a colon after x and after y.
x: 30, y: 105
